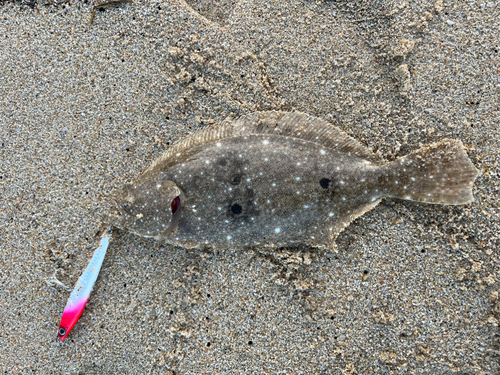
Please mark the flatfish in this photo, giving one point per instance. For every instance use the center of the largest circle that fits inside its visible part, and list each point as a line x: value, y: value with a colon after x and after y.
x: 279, y: 178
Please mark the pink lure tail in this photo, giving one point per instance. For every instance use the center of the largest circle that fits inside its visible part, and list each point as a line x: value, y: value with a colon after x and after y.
x: 81, y: 293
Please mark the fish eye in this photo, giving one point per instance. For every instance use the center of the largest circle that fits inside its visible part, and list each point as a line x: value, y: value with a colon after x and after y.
x: 126, y: 205
x: 62, y: 331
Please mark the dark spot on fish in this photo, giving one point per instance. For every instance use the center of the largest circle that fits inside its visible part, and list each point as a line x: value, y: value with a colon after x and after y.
x: 236, y: 209
x: 383, y: 180
x: 324, y: 182
x: 198, y: 181
x: 242, y: 204
x: 236, y: 179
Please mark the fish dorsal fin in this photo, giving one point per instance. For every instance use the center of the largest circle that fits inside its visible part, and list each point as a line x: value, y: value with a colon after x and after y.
x: 289, y: 124
x: 302, y: 126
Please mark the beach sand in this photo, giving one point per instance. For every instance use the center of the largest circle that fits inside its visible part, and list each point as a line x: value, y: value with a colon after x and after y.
x: 410, y: 288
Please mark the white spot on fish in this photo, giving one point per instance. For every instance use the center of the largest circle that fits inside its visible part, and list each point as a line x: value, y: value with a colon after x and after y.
x: 277, y: 230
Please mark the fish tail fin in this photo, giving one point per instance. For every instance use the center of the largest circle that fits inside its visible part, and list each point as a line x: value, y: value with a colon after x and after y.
x: 440, y: 173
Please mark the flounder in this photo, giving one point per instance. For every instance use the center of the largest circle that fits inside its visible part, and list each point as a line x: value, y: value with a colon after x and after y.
x: 278, y: 178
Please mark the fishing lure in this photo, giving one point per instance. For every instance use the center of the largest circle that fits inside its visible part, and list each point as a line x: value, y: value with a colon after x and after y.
x: 81, y: 293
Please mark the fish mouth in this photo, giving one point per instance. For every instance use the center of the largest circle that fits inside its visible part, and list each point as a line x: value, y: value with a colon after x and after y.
x: 117, y: 214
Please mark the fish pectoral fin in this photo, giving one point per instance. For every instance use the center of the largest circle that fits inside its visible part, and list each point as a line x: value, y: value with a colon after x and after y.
x: 174, y: 222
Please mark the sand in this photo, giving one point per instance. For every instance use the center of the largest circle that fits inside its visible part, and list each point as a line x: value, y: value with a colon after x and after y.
x: 410, y: 288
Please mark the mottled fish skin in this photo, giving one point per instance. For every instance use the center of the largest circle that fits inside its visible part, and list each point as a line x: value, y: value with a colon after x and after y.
x: 277, y: 178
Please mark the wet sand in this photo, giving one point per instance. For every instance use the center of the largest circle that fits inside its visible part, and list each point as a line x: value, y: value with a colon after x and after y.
x: 410, y: 288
